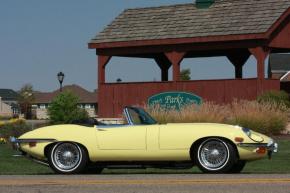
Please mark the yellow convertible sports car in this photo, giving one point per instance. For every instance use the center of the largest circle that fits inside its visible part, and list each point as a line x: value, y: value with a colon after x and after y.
x: 142, y: 143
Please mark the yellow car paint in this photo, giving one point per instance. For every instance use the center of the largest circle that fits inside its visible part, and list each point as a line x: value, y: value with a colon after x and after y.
x: 171, y: 142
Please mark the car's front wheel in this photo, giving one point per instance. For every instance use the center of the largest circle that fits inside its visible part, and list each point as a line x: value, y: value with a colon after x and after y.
x: 215, y: 155
x: 67, y: 158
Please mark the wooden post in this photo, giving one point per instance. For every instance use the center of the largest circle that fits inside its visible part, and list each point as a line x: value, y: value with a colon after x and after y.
x: 260, y: 53
x: 238, y: 59
x: 102, y: 62
x: 164, y: 64
x: 175, y: 58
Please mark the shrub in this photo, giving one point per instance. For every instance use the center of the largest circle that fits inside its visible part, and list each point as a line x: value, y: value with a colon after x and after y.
x: 208, y: 112
x: 3, y: 140
x: 64, y: 109
x: 14, y: 127
x: 278, y: 97
x: 267, y: 118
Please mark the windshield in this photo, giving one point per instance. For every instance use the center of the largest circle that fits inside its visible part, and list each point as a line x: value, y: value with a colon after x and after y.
x: 137, y: 116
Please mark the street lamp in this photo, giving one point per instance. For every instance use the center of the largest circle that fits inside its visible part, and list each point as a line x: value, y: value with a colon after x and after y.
x: 60, y: 77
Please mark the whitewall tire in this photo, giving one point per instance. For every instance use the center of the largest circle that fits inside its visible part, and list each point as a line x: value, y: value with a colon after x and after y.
x: 215, y: 155
x: 67, y: 158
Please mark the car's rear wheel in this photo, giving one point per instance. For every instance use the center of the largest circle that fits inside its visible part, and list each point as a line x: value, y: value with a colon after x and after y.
x: 215, y: 155
x: 67, y: 158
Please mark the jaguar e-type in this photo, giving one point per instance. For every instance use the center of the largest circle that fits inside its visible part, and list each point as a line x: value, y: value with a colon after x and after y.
x: 143, y: 143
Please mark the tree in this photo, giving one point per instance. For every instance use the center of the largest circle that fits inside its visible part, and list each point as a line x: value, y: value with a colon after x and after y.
x: 25, y: 99
x: 64, y: 109
x: 185, y: 74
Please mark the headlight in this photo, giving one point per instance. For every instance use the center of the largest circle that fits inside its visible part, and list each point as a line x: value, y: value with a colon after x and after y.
x: 247, y: 131
x: 253, y: 135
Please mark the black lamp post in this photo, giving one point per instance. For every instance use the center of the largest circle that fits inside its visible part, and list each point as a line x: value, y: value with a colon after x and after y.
x: 60, y: 77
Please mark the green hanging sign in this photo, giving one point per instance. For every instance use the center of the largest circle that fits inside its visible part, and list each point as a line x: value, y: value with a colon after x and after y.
x: 174, y: 100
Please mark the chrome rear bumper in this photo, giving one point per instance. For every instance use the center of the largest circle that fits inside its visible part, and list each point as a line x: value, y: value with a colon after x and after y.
x: 16, y: 142
x: 16, y: 145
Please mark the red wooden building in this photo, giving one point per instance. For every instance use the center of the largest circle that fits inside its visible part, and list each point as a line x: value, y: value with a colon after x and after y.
x: 232, y: 28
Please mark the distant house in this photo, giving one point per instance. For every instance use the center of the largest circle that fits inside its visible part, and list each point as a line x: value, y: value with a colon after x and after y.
x: 9, y: 103
x: 279, y: 67
x: 5, y: 110
x: 88, y: 101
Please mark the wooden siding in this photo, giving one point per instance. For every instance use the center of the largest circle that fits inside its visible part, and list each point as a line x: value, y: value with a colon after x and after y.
x: 114, y: 96
x: 281, y: 39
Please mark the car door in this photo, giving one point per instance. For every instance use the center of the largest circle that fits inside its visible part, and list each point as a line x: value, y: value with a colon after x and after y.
x: 124, y: 137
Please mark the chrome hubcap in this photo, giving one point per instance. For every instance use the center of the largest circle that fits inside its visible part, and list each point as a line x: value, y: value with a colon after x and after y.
x: 66, y: 156
x: 213, y: 154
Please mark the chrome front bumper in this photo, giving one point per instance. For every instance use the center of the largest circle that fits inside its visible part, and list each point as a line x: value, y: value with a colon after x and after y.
x: 272, y: 147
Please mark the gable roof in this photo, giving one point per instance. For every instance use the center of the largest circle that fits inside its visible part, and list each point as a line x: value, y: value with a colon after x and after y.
x: 8, y: 95
x: 84, y: 95
x: 224, y: 17
x: 279, y: 62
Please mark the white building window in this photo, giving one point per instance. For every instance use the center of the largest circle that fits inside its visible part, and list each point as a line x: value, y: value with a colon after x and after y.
x: 42, y: 106
x: 88, y: 106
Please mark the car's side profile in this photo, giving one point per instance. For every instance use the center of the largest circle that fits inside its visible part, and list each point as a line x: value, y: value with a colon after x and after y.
x: 214, y: 148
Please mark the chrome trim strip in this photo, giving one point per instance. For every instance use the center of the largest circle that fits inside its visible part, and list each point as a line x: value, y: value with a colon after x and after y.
x: 36, y: 160
x: 40, y: 162
x: 15, y: 140
x: 128, y: 117
x: 252, y: 144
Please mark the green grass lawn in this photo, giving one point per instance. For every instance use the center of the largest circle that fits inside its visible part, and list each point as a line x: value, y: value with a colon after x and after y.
x: 18, y: 165
x: 280, y: 163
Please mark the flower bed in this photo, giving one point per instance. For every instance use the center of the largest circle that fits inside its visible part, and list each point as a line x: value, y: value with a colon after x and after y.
x: 13, y: 127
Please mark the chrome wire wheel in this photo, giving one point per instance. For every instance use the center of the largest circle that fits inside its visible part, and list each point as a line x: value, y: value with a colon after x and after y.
x: 66, y: 157
x: 213, y: 154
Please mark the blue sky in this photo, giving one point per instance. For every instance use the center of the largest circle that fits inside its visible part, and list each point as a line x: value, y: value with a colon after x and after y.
x: 39, y: 38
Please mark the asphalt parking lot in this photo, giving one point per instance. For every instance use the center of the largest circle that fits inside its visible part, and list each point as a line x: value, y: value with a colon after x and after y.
x: 175, y: 183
